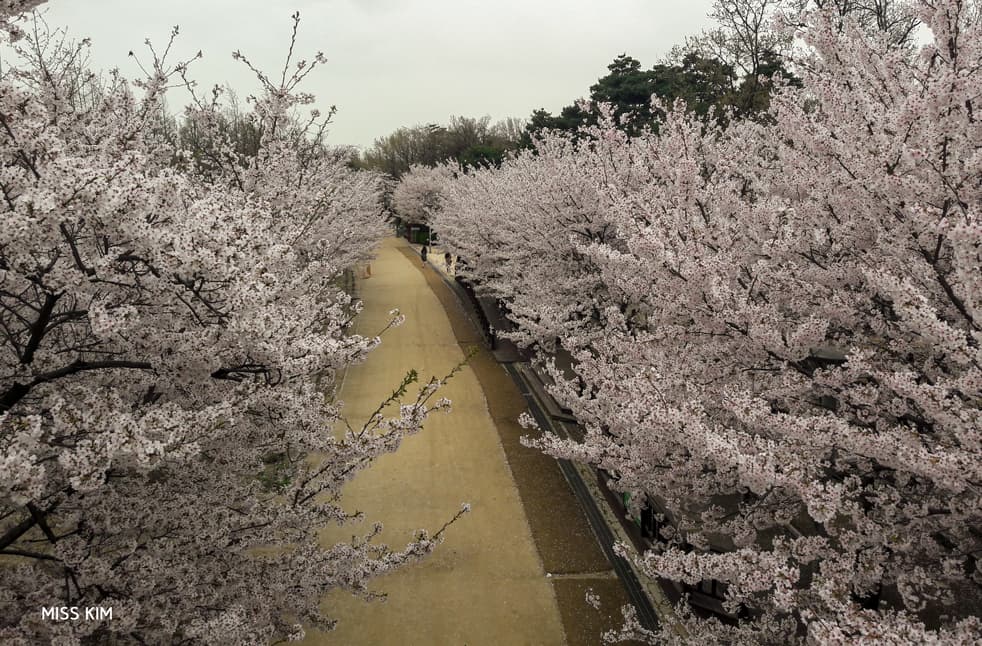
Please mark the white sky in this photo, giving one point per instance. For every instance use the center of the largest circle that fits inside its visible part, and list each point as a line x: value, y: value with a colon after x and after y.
x: 395, y: 63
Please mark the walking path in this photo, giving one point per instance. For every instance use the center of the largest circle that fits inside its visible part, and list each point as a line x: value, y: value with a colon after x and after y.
x: 514, y: 570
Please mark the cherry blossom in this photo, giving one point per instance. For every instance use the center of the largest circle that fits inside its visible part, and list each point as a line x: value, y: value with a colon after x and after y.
x: 417, y: 197
x: 775, y: 332
x: 168, y: 327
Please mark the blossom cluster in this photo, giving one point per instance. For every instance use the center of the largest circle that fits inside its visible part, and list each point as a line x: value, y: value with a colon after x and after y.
x: 417, y: 197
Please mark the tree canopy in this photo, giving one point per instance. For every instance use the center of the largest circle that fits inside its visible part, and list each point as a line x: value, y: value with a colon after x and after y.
x: 169, y: 321
x: 775, y: 330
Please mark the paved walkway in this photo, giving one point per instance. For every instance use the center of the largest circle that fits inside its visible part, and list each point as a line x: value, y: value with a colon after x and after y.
x: 505, y: 351
x: 486, y: 584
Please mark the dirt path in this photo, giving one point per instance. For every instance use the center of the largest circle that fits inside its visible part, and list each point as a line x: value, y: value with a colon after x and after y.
x: 486, y: 584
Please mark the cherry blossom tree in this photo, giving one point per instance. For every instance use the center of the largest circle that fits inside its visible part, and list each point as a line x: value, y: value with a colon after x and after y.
x: 166, y: 333
x: 525, y: 225
x: 418, y: 196
x: 791, y: 368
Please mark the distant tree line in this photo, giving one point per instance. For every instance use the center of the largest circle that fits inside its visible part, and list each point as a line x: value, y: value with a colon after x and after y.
x: 471, y: 142
x: 705, y: 85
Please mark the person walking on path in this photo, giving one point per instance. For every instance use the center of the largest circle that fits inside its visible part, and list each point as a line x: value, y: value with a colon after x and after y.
x: 447, y: 261
x: 423, y: 252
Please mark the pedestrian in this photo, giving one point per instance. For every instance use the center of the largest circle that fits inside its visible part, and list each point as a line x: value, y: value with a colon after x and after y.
x: 423, y: 252
x: 447, y: 260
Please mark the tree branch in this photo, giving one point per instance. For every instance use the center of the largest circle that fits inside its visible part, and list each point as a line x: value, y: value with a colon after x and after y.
x: 18, y: 391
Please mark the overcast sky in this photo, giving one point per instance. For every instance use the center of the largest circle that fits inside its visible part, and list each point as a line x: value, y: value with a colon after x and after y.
x: 395, y: 63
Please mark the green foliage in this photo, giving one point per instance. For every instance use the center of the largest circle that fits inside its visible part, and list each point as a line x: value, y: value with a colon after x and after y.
x: 482, y: 155
x: 707, y: 85
x: 628, y: 89
x: 571, y: 118
x: 277, y: 473
x: 754, y: 94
